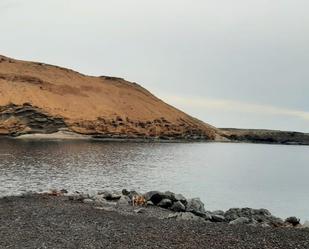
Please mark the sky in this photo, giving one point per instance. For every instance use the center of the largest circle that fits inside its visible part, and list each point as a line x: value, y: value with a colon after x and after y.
x: 240, y: 63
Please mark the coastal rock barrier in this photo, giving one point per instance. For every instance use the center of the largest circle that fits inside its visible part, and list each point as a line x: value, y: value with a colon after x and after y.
x: 178, y: 207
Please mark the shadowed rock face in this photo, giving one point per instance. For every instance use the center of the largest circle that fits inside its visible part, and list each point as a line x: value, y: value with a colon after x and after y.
x: 25, y: 119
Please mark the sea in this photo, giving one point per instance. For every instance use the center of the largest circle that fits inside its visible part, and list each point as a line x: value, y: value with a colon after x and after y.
x: 222, y: 175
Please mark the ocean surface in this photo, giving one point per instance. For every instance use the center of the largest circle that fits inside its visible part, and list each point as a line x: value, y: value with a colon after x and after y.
x: 223, y: 175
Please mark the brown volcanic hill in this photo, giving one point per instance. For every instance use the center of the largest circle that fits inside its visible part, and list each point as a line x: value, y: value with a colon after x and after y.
x: 41, y: 98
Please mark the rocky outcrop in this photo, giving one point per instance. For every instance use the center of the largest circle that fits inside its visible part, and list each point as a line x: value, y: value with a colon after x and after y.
x: 118, y: 127
x: 265, y: 136
x: 16, y: 120
x: 252, y: 216
x: 179, y: 208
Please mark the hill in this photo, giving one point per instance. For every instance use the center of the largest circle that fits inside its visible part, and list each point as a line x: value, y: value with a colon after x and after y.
x: 41, y: 98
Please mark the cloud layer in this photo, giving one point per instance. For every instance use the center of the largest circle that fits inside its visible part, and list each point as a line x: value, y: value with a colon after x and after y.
x: 254, y: 53
x: 235, y: 106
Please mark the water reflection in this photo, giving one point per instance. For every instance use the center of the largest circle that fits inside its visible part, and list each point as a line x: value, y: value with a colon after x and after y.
x: 223, y: 175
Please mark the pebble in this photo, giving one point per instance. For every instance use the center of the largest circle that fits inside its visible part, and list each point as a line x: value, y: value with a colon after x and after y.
x: 88, y: 201
x: 140, y: 210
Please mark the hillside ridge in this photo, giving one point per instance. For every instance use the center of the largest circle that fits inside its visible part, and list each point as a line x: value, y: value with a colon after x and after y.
x: 33, y: 95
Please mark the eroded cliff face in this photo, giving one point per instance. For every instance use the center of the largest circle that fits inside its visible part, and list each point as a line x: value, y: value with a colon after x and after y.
x: 25, y: 119
x: 41, y: 98
x: 105, y: 127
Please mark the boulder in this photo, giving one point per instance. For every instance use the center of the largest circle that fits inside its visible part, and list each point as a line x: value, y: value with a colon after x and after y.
x: 154, y: 196
x: 169, y: 195
x: 233, y: 214
x: 64, y: 191
x: 207, y: 216
x: 252, y: 222
x: 106, y: 195
x: 92, y: 194
x: 165, y: 203
x: 217, y: 218
x: 218, y: 212
x: 181, y: 198
x: 240, y: 220
x: 185, y: 216
x: 178, y: 206
x: 128, y: 193
x: 195, y: 206
x: 133, y: 193
x: 261, y: 216
x: 149, y: 203
x: 293, y: 220
x: 274, y: 221
x: 125, y: 192
x: 115, y: 196
x: 80, y: 196
x: 261, y: 211
x: 110, y: 196
x: 88, y: 201
x: 101, y: 201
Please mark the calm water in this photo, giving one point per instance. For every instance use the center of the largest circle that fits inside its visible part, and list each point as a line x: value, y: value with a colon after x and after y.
x: 223, y: 175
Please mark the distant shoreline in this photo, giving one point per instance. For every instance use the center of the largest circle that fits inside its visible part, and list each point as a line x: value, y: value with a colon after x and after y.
x: 228, y: 135
x: 265, y: 136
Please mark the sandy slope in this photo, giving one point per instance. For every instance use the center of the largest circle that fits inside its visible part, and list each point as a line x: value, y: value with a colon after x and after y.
x: 86, y: 104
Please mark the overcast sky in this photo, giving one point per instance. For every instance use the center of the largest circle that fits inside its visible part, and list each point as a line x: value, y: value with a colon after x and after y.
x: 231, y: 63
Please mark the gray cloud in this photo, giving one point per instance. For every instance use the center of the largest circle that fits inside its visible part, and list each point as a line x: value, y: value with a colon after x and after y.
x: 232, y: 105
x: 263, y: 115
x: 241, y: 51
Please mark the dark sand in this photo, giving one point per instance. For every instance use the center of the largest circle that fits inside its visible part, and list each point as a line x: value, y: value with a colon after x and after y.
x: 56, y: 222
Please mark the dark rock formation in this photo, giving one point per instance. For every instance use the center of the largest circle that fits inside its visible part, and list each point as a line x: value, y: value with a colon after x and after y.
x: 262, y: 216
x: 26, y: 119
x: 293, y: 220
x: 178, y: 206
x: 154, y: 196
x: 195, y: 206
x: 240, y: 220
x: 164, y: 205
x: 265, y: 136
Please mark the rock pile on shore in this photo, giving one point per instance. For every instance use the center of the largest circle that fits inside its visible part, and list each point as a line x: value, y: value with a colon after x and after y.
x: 178, y: 207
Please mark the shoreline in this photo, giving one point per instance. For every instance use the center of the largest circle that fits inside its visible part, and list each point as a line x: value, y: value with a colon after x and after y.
x: 62, y: 220
x: 67, y: 136
x: 174, y: 204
